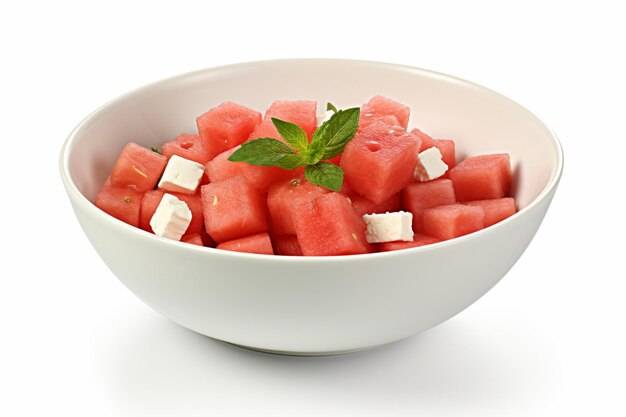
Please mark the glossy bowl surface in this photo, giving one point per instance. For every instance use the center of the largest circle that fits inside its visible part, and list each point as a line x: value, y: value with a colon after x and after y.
x: 313, y: 305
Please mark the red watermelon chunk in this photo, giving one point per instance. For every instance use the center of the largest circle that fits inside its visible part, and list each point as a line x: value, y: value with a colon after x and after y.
x: 447, y: 222
x: 482, y: 177
x: 226, y: 126
x: 427, y: 141
x: 447, y: 149
x: 383, y: 105
x: 418, y: 240
x: 187, y: 146
x: 418, y: 196
x: 366, y: 119
x: 259, y: 243
x: 380, y: 161
x: 265, y: 130
x: 193, y: 239
x: 260, y: 177
x: 328, y: 226
x: 300, y: 112
x: 119, y: 202
x: 287, y: 245
x: 283, y: 200
x: 364, y: 206
x: 151, y: 201
x: 495, y: 210
x: 233, y: 209
x: 137, y: 168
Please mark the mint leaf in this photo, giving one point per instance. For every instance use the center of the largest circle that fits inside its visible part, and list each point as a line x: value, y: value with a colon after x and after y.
x: 293, y: 134
x: 157, y: 150
x: 330, y: 106
x: 267, y: 152
x: 332, y: 137
x: 325, y: 174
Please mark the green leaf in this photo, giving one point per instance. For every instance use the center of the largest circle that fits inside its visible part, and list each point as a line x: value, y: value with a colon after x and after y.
x: 267, y: 152
x: 330, y: 106
x: 157, y: 150
x: 293, y: 134
x: 332, y: 137
x: 325, y: 174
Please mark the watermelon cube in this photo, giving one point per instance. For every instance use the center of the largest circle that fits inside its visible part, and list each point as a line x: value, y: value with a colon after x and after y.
x: 418, y: 240
x: 448, y: 152
x: 329, y: 225
x: 283, y: 199
x: 193, y: 239
x: 260, y: 177
x: 364, y: 206
x: 418, y: 196
x: 482, y: 177
x: 233, y: 209
x: 496, y: 210
x: 187, y: 146
x: 379, y: 161
x: 366, y: 119
x: 151, y: 201
x: 259, y: 243
x: 447, y: 222
x: 287, y: 245
x: 382, y: 105
x: 120, y: 202
x: 265, y: 130
x: 226, y: 126
x: 300, y: 112
x: 137, y: 168
x: 427, y: 141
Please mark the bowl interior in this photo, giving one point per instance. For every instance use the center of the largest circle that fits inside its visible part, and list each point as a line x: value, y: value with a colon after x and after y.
x: 479, y: 120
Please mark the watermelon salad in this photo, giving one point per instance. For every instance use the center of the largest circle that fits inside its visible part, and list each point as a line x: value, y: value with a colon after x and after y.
x: 290, y: 182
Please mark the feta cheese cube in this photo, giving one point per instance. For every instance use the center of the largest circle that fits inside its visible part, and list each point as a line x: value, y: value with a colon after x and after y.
x: 324, y: 117
x: 389, y: 227
x: 181, y: 175
x: 430, y: 165
x: 171, y: 218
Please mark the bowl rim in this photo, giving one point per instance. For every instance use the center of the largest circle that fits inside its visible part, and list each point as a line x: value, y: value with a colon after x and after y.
x: 78, y: 198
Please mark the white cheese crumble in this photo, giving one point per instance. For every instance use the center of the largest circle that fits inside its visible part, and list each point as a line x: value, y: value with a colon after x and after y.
x: 389, y: 227
x: 171, y: 218
x: 181, y: 175
x: 429, y: 165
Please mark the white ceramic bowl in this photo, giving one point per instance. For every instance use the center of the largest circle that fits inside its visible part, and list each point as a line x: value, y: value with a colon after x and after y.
x: 313, y: 305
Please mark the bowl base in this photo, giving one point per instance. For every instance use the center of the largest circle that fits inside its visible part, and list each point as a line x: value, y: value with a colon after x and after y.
x: 290, y: 353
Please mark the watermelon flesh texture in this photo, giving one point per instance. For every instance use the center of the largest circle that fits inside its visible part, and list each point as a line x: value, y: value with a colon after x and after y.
x: 482, y: 177
x: 226, y: 126
x: 120, y: 202
x: 366, y: 119
x: 329, y: 226
x: 151, y: 201
x: 283, y: 200
x: 496, y: 210
x: 448, y: 151
x: 233, y: 209
x: 187, y: 146
x: 299, y: 112
x: 427, y: 141
x: 260, y: 177
x: 418, y: 196
x: 382, y: 105
x: 379, y: 161
x: 287, y: 245
x: 193, y: 239
x: 364, y: 206
x: 259, y: 243
x: 265, y: 130
x: 137, y: 168
x: 418, y: 240
x: 448, y: 222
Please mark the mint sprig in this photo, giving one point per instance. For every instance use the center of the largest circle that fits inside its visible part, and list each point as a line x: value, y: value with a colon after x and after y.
x: 328, y: 140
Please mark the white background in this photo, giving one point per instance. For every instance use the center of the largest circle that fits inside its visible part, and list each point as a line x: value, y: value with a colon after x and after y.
x: 547, y: 340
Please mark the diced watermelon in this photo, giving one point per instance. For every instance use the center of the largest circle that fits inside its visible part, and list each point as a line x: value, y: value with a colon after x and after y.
x: 287, y: 245
x: 265, y: 130
x: 366, y: 119
x: 233, y: 209
x: 151, y: 201
x: 137, y: 168
x: 226, y: 126
x: 300, y: 112
x: 482, y: 177
x: 119, y: 202
x: 260, y: 177
x: 283, y: 199
x: 427, y: 141
x: 193, y: 239
x: 383, y: 105
x: 328, y: 225
x: 447, y: 149
x: 189, y: 147
x: 447, y: 222
x: 259, y: 243
x: 418, y: 240
x: 364, y: 206
x: 379, y: 161
x: 495, y: 210
x: 418, y: 196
